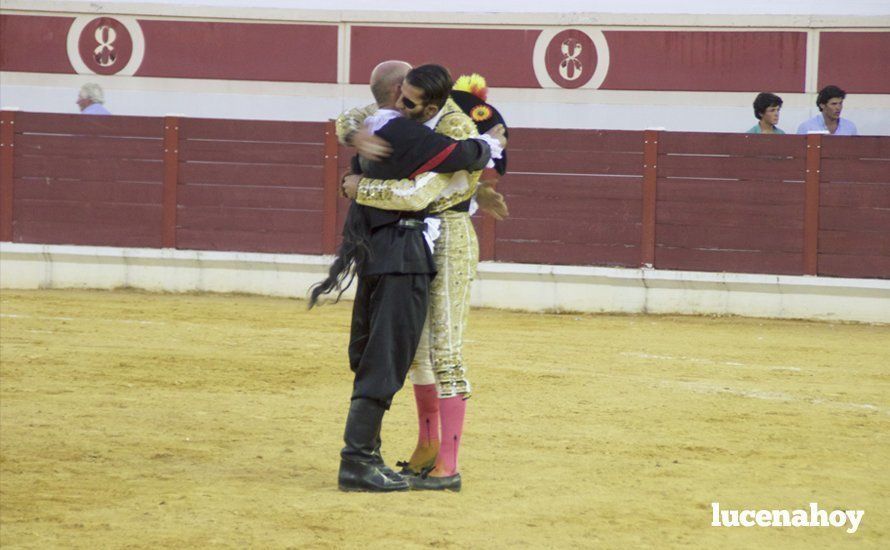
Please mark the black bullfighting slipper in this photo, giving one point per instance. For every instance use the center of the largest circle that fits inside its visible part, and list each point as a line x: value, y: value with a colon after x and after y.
x: 407, y: 470
x: 425, y: 482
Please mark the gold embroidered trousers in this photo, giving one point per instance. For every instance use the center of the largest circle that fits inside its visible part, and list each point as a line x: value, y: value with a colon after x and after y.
x: 439, y: 358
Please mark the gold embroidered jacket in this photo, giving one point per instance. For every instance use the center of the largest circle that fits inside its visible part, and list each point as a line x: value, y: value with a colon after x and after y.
x: 444, y: 190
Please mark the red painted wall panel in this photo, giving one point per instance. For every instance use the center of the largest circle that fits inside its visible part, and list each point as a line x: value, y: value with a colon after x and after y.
x: 856, y: 170
x: 503, y: 56
x: 89, y: 232
x: 858, y: 219
x: 101, y: 147
x: 740, y: 168
x: 855, y: 194
x: 560, y: 253
x: 571, y: 219
x: 737, y: 145
x: 264, y: 152
x: 217, y: 173
x: 576, y: 162
x: 840, y: 265
x: 737, y: 192
x: 89, y: 169
x: 855, y: 243
x: 576, y: 140
x: 250, y: 185
x: 97, y: 180
x: 570, y: 187
x: 858, y: 62
x: 706, y: 61
x: 730, y: 203
x: 755, y: 158
x: 751, y: 237
x: 595, y: 231
x: 854, y: 208
x: 87, y: 223
x: 252, y: 130
x: 85, y: 191
x: 735, y: 261
x: 240, y: 51
x: 279, y: 242
x: 34, y: 44
x: 79, y: 125
x: 251, y: 197
x: 88, y: 180
x: 866, y: 147
x: 709, y: 216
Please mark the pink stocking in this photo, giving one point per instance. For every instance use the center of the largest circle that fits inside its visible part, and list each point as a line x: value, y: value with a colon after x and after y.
x: 424, y: 455
x: 427, y: 414
x: 452, y: 411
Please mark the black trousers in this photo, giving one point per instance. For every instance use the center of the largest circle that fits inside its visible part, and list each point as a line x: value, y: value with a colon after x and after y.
x: 387, y: 319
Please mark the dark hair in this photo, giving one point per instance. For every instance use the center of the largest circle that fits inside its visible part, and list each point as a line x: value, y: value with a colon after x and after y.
x: 434, y: 80
x: 828, y: 93
x: 764, y: 101
x: 354, y: 251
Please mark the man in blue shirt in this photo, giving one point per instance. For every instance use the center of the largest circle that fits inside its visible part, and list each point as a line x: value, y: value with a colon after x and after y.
x: 830, y: 102
x: 91, y: 99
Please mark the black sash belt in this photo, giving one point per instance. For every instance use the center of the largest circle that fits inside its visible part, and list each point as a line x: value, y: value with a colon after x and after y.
x: 411, y: 223
x: 462, y: 206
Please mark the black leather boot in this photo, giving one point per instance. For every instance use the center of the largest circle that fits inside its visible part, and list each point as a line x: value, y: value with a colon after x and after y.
x: 378, y: 460
x: 361, y: 466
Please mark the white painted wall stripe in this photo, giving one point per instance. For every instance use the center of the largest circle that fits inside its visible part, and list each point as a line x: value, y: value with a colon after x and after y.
x: 509, y: 286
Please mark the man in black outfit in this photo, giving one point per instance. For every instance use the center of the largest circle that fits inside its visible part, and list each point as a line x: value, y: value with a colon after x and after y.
x: 394, y: 266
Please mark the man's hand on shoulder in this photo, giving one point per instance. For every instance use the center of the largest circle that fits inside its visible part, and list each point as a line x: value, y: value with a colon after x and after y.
x: 497, y: 132
x: 370, y: 146
x: 349, y: 186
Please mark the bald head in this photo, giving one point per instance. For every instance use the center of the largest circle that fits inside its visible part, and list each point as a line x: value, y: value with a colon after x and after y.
x: 385, y: 79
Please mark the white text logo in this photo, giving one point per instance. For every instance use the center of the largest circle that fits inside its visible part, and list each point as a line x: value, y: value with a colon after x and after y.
x: 814, y: 517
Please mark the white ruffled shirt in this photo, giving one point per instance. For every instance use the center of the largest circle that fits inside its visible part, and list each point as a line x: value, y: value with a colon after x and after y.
x: 433, y: 224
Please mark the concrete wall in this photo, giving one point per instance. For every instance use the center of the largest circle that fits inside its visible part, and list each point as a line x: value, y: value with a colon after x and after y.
x: 509, y: 286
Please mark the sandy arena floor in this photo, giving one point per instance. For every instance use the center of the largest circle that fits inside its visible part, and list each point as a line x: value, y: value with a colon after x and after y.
x: 148, y: 420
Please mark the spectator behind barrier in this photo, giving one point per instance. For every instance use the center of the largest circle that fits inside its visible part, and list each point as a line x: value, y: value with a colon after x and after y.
x: 766, y: 110
x: 830, y: 102
x: 91, y: 99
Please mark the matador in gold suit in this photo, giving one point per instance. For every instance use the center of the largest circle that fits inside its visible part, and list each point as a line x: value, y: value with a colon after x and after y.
x: 439, y: 373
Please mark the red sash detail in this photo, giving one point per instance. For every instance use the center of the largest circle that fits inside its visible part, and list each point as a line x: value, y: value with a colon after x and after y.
x: 433, y: 162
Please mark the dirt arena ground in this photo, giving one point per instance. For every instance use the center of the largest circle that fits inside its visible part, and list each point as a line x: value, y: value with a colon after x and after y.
x: 142, y: 420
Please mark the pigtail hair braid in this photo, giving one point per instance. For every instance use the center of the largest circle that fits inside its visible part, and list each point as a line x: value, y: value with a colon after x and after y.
x: 351, y: 257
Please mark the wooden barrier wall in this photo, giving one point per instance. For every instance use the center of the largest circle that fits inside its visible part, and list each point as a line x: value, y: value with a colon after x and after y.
x: 254, y: 186
x: 672, y: 200
x: 83, y: 180
x: 730, y: 200
x: 575, y: 196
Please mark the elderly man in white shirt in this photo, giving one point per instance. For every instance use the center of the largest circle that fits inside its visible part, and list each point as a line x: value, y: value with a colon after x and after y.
x: 91, y: 100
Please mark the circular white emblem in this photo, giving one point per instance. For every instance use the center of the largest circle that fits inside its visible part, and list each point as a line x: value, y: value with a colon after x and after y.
x: 576, y: 57
x: 105, y: 45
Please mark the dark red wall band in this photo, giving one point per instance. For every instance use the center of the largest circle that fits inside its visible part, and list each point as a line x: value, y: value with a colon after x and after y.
x: 638, y: 59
